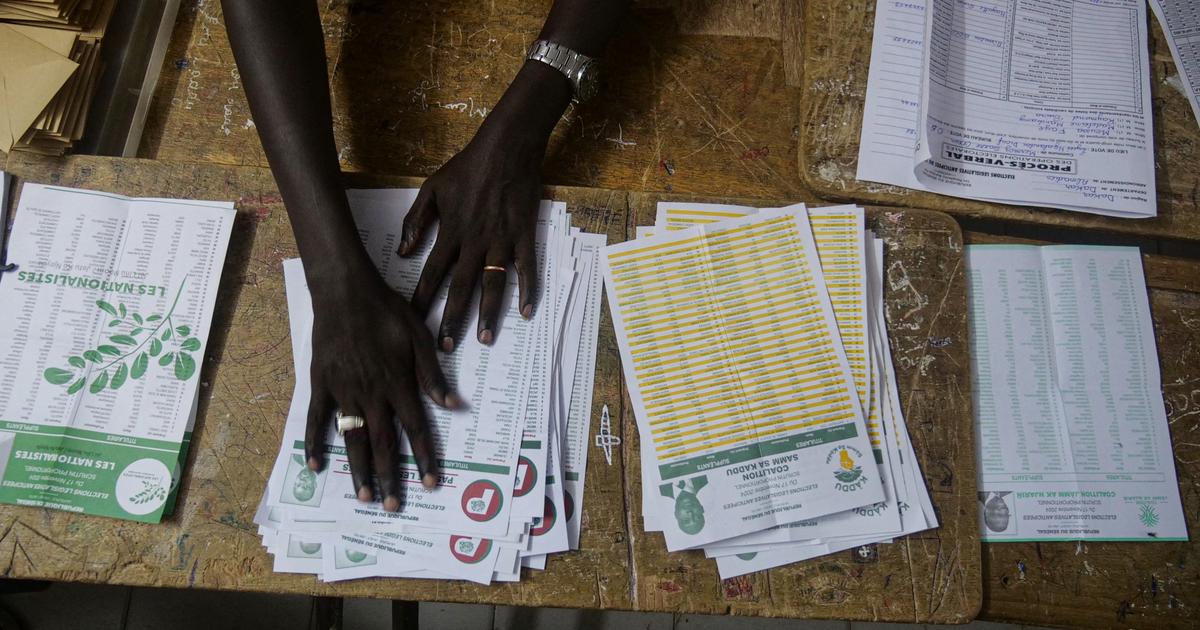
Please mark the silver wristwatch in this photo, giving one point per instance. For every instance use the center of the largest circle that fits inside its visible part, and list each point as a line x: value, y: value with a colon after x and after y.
x: 582, y: 71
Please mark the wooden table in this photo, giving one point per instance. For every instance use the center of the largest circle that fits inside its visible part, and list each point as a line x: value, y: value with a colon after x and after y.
x: 757, y: 100
x: 687, y: 107
x: 707, y: 97
x: 246, y: 387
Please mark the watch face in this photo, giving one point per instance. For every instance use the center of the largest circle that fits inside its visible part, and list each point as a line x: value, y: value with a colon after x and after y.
x: 588, y: 83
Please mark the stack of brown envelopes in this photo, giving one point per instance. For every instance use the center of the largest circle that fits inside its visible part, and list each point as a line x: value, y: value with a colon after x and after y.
x: 49, y: 69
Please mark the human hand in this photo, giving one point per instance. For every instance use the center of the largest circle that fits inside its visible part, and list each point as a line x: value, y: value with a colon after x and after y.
x: 486, y: 201
x: 370, y: 352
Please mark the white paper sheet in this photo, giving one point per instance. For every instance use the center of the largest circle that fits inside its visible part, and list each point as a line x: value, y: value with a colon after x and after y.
x: 1044, y: 104
x: 106, y: 325
x: 839, y: 237
x: 663, y: 311
x: 1180, y: 20
x: 1072, y: 435
x: 584, y: 326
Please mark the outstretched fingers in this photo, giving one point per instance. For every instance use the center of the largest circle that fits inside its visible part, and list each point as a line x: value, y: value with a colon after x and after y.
x: 381, y: 428
x: 526, y: 262
x: 462, y: 289
x: 492, y: 287
x: 416, y: 428
x: 420, y: 216
x: 320, y: 409
x: 358, y: 451
x: 437, y: 265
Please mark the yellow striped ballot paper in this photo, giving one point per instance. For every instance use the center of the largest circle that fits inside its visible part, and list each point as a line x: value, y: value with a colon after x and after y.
x: 738, y: 377
x: 841, y: 249
x: 838, y: 232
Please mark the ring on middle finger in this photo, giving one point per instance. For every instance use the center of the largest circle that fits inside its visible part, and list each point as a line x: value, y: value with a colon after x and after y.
x: 349, y: 423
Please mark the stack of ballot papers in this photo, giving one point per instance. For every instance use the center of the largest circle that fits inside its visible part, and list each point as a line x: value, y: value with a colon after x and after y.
x: 512, y: 463
x: 756, y: 354
x: 106, y: 320
x: 50, y: 72
x: 1071, y: 429
x: 1041, y: 104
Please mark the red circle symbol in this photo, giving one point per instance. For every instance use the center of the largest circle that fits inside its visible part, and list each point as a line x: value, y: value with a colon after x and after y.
x: 568, y: 504
x: 547, y: 520
x: 526, y: 476
x: 470, y: 550
x: 482, y: 500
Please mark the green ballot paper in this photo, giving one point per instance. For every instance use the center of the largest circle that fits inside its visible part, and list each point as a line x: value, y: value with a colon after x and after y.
x: 1071, y: 431
x: 106, y: 323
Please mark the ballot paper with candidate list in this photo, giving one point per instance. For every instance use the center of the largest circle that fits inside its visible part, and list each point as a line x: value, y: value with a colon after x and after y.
x: 741, y: 388
x: 839, y: 237
x: 1043, y: 104
x: 910, y: 485
x: 504, y: 447
x: 851, y: 260
x: 1071, y: 430
x: 107, y: 318
x: 1180, y: 20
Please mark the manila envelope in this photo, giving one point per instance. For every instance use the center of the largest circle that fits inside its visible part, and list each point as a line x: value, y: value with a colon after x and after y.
x: 30, y: 76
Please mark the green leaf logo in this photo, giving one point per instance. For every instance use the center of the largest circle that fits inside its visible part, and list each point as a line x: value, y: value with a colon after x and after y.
x: 1148, y: 515
x: 99, y: 383
x: 150, y: 492
x: 139, y: 365
x: 118, y: 379
x: 184, y: 366
x: 134, y: 339
x: 58, y: 376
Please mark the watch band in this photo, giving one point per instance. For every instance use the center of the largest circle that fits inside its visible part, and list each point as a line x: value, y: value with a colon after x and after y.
x: 561, y: 58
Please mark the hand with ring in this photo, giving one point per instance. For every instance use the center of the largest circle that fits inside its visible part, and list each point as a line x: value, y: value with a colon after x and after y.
x: 484, y: 222
x: 349, y: 423
x: 485, y: 202
x: 371, y: 351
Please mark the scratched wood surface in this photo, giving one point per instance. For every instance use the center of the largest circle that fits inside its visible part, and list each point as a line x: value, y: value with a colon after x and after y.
x: 837, y: 55
x: 1122, y: 585
x: 696, y: 98
x: 246, y: 387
